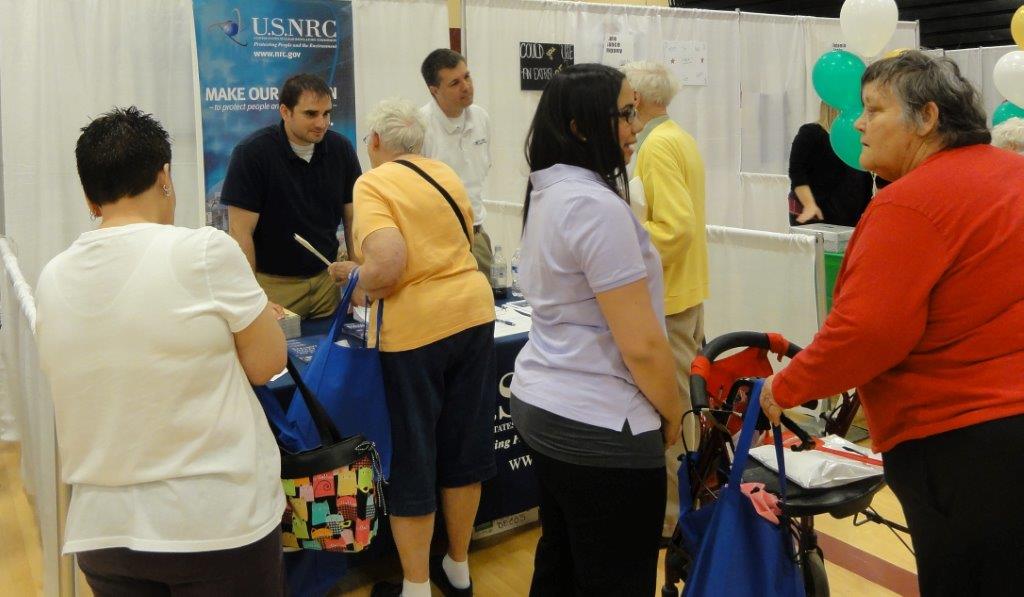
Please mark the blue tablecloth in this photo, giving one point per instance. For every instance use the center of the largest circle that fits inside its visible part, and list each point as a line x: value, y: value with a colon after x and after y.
x: 514, y: 489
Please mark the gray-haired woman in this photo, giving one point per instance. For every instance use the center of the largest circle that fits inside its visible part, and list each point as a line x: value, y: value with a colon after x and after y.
x: 412, y: 234
x: 928, y: 323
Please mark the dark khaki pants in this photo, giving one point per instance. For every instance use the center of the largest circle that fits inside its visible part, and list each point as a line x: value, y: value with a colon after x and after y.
x: 316, y: 296
x: 685, y: 334
x: 482, y: 250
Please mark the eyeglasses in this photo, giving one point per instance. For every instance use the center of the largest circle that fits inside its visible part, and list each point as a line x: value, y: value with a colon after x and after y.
x: 628, y: 113
x: 366, y: 138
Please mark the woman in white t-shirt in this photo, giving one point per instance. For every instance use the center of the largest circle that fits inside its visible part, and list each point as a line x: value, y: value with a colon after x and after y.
x: 150, y: 335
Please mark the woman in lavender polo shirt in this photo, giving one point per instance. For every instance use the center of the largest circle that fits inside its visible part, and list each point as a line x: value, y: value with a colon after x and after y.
x: 595, y: 385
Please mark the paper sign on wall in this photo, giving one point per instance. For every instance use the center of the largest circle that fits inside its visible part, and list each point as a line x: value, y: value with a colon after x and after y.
x: 688, y: 61
x: 540, y: 62
x: 618, y: 49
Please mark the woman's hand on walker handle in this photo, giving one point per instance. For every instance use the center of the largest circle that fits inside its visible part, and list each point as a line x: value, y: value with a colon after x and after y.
x: 771, y: 410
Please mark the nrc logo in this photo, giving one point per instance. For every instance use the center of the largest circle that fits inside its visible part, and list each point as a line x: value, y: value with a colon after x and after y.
x: 232, y: 28
x: 505, y: 390
x: 278, y: 27
x: 505, y: 385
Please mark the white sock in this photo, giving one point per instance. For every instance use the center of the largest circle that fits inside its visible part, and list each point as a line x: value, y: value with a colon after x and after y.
x: 415, y: 589
x: 458, y: 572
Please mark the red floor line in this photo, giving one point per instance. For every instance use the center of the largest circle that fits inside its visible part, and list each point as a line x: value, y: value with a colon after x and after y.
x: 869, y: 567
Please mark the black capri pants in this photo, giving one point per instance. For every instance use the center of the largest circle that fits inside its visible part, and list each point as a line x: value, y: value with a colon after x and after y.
x: 441, y: 403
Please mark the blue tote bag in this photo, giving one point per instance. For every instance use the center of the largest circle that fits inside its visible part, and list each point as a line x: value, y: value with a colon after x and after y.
x: 308, y: 573
x: 349, y: 384
x: 740, y: 554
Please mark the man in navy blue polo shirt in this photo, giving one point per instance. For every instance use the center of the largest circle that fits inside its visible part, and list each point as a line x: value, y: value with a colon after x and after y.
x: 293, y: 177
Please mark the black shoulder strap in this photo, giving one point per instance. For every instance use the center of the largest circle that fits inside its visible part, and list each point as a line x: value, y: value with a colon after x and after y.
x: 440, y: 189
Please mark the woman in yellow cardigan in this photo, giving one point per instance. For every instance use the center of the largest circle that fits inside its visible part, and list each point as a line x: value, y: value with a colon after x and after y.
x: 671, y: 170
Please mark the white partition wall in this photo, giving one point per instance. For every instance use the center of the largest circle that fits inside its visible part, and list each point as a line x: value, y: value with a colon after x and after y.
x: 390, y: 39
x: 758, y: 94
x: 764, y: 202
x: 977, y: 64
x: 777, y: 57
x: 762, y: 282
x: 494, y: 29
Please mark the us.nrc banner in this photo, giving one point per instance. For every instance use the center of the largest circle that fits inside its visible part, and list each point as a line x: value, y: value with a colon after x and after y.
x: 245, y: 51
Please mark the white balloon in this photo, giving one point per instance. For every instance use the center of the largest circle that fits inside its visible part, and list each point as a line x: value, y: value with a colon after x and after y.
x: 1008, y: 76
x: 868, y: 24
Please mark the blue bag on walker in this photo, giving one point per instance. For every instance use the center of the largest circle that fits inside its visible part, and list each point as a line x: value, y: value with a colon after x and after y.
x: 740, y: 554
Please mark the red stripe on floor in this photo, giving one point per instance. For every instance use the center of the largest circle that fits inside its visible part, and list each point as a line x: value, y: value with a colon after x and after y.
x: 869, y: 567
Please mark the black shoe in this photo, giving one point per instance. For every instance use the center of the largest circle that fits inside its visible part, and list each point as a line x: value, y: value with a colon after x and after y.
x: 386, y: 589
x: 440, y: 578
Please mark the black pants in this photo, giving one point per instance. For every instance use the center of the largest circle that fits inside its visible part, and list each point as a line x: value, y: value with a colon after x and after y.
x: 441, y: 403
x: 963, y: 495
x: 253, y: 570
x: 600, y: 529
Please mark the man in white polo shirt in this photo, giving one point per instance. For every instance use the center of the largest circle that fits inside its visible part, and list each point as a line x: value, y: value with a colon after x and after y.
x: 459, y: 134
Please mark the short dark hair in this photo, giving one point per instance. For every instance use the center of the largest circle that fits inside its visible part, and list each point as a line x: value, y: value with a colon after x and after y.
x: 586, y: 94
x: 293, y: 88
x: 437, y: 61
x: 120, y: 154
x: 916, y: 78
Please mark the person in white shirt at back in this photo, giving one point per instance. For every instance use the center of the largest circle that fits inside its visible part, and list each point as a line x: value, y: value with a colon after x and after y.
x: 150, y: 336
x: 459, y: 134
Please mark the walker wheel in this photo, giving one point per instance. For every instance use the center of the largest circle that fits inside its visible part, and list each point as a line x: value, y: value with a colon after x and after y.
x: 815, y: 579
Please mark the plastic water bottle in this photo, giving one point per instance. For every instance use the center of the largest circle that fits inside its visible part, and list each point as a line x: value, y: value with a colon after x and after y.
x: 499, y: 274
x: 517, y: 291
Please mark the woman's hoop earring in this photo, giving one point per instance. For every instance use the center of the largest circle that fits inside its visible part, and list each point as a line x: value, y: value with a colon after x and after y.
x: 167, y: 191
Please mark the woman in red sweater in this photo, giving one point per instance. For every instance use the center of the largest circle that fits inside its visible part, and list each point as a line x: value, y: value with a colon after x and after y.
x: 928, y: 324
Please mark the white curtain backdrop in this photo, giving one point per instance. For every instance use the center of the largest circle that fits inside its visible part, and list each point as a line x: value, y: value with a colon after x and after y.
x: 65, y: 62
x: 764, y: 202
x: 778, y: 95
x: 977, y: 64
x: 493, y: 30
x: 390, y: 40
x: 763, y: 60
x: 762, y: 282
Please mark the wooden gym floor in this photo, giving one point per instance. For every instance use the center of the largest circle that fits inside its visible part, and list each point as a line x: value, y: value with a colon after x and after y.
x: 860, y: 561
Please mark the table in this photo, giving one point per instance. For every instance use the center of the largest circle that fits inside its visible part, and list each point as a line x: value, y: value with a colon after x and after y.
x: 510, y: 498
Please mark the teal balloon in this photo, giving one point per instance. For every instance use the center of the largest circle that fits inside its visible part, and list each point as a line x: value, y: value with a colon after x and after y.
x: 1006, y: 111
x: 836, y: 77
x: 845, y: 139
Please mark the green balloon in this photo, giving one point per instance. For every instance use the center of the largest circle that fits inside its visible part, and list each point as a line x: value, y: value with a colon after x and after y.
x: 1006, y: 111
x: 845, y: 139
x: 836, y: 77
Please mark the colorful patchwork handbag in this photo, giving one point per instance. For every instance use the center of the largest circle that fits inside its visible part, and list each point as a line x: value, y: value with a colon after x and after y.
x: 334, y: 492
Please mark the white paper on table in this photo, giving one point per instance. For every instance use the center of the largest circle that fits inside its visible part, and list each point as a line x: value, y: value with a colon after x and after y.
x: 361, y: 314
x: 688, y: 61
x: 283, y: 372
x: 509, y: 321
x: 521, y: 306
x: 617, y: 49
